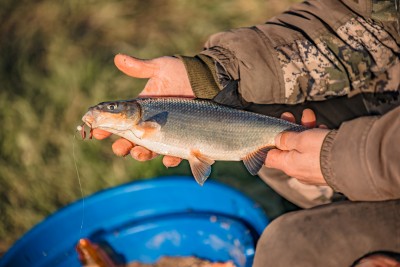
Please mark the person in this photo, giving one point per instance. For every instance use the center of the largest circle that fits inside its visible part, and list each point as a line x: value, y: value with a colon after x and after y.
x: 335, y: 63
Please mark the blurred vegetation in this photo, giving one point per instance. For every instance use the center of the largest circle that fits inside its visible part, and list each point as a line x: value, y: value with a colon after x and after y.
x: 57, y: 60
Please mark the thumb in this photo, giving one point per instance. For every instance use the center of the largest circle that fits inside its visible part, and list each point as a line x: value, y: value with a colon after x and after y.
x: 287, y: 140
x: 135, y: 67
x: 277, y: 159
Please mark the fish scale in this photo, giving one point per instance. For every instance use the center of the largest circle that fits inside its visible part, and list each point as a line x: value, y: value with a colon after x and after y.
x: 215, y: 127
x: 200, y: 131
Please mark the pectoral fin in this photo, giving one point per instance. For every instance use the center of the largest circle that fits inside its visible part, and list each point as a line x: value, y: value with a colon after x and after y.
x: 147, y: 128
x: 255, y: 160
x: 200, y: 166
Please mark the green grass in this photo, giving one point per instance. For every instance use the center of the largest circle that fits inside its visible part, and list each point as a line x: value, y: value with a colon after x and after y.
x: 57, y: 60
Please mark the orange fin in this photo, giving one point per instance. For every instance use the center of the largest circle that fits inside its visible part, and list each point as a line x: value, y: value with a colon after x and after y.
x: 200, y: 166
x: 147, y: 128
x: 90, y: 254
x: 255, y: 160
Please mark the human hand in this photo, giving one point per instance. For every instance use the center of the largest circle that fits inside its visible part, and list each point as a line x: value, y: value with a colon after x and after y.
x: 298, y: 153
x: 167, y: 78
x: 167, y: 75
x: 378, y: 260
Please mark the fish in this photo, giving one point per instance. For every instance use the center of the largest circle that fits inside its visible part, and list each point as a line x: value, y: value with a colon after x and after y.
x: 92, y: 255
x: 198, y: 130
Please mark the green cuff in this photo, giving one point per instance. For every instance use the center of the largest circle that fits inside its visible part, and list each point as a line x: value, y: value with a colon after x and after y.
x: 202, y: 75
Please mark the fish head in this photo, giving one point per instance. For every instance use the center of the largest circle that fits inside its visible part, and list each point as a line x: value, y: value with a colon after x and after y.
x: 114, y: 116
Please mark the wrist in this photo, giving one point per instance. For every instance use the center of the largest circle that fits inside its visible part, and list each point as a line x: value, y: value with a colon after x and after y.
x: 202, y: 76
x: 326, y: 159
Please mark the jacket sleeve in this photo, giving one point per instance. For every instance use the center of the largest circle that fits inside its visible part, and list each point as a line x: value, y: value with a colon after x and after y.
x: 305, y: 54
x: 361, y: 159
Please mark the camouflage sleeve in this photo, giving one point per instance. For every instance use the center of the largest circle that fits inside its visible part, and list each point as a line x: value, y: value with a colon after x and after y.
x: 369, y: 169
x: 314, y: 51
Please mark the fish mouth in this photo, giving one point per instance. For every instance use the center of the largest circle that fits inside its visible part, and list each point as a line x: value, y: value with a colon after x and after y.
x: 88, y: 119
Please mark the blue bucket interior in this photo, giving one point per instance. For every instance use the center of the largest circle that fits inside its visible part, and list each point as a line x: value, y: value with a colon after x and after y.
x: 144, y: 220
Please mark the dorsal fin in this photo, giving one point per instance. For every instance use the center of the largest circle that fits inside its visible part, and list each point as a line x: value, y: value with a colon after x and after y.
x: 255, y: 160
x: 200, y: 166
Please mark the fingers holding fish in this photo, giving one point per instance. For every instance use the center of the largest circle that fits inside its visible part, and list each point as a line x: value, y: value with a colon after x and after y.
x: 279, y: 159
x: 122, y: 147
x: 171, y: 161
x: 100, y: 134
x: 298, y: 155
x: 287, y: 141
x: 296, y: 164
x: 142, y: 154
x: 308, y: 118
x: 301, y: 141
x: 287, y: 116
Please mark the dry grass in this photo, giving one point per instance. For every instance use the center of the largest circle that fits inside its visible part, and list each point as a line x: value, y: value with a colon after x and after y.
x: 57, y: 60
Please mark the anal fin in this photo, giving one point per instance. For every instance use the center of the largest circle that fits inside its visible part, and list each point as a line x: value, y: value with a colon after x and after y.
x: 255, y: 160
x: 200, y: 166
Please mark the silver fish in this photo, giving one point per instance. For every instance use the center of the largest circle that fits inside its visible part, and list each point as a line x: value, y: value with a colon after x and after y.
x: 200, y: 131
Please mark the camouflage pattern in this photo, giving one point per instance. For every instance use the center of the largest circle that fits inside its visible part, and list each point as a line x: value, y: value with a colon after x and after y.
x: 383, y: 10
x: 382, y: 52
x: 360, y: 57
x: 309, y: 73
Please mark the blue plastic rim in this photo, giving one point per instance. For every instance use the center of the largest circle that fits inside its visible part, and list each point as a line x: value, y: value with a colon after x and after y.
x: 144, y: 220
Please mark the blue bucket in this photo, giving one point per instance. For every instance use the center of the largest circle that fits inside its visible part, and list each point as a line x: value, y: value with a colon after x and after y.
x: 144, y: 220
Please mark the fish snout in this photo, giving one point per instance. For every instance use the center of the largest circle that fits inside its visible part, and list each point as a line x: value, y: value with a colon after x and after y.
x: 88, y: 118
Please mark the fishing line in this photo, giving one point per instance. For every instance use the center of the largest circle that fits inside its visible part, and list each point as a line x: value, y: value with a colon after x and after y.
x: 80, y: 184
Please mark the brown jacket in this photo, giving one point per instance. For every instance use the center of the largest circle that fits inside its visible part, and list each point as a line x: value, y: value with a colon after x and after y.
x: 341, y: 58
x: 362, y: 158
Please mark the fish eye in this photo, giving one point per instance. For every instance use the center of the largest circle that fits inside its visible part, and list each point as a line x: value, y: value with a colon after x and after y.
x: 112, y: 106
